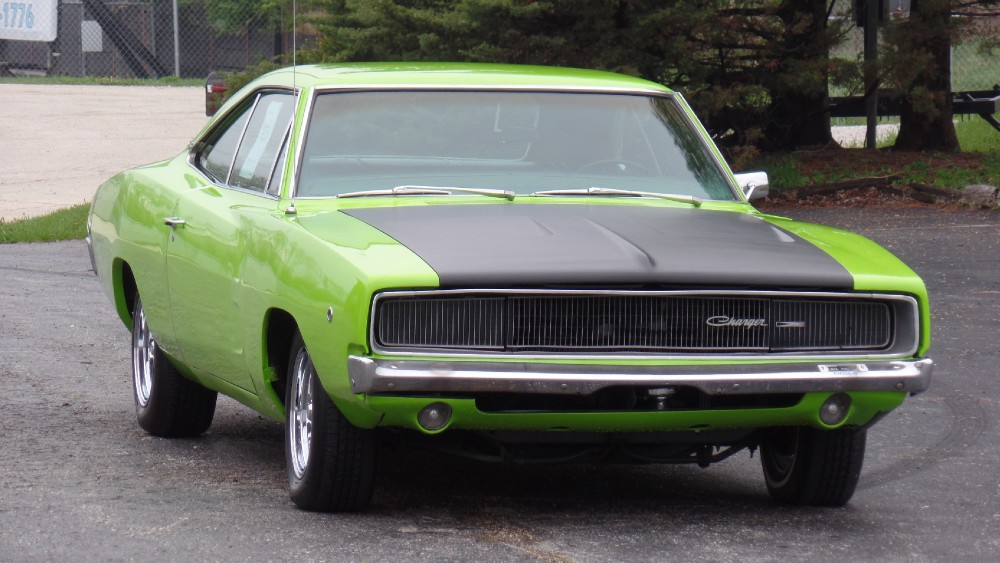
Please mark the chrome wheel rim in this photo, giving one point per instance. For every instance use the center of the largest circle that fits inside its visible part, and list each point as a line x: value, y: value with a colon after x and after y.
x: 143, y: 357
x: 300, y: 415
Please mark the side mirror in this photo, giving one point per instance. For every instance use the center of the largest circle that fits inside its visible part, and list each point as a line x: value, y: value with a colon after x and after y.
x: 753, y: 184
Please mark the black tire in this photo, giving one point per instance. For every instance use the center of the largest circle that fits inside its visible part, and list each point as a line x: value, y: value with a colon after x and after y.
x: 167, y: 404
x: 812, y: 467
x: 330, y: 462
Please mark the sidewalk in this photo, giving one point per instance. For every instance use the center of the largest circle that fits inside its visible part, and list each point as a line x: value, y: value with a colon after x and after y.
x: 59, y: 142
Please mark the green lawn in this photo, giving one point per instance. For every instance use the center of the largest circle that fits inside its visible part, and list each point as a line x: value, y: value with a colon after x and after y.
x: 975, y: 135
x: 65, y: 224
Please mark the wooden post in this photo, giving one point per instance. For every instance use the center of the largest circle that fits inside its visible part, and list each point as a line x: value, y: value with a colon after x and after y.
x: 871, y: 71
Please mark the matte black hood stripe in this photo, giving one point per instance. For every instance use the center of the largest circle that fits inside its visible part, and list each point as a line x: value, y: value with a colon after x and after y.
x: 510, y: 244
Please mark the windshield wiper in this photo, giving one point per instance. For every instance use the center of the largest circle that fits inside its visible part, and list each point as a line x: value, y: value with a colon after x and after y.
x: 613, y: 191
x: 431, y: 190
x: 398, y: 190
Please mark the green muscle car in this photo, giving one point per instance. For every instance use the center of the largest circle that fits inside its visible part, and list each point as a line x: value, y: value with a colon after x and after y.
x: 517, y: 263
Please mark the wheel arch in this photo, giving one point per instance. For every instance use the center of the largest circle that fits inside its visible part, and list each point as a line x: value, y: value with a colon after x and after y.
x: 125, y: 290
x: 280, y: 328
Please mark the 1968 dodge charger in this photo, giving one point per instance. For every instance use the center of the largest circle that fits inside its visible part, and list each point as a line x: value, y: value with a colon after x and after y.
x: 518, y: 263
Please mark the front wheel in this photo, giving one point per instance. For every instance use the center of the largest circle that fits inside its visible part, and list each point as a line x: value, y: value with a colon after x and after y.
x: 330, y: 462
x: 167, y: 404
x: 812, y: 467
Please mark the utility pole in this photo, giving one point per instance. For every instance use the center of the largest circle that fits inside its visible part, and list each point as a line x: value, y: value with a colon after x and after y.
x: 177, y: 43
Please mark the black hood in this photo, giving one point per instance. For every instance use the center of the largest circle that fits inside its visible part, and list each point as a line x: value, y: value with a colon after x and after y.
x: 492, y: 245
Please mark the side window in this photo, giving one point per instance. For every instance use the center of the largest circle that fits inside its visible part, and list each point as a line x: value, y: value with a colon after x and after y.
x: 274, y: 185
x: 265, y: 133
x: 216, y: 158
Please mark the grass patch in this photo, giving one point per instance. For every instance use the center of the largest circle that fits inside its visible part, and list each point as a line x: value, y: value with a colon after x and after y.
x: 862, y: 121
x: 975, y: 135
x: 978, y: 163
x: 103, y: 81
x: 65, y: 224
x: 782, y: 171
x: 945, y: 170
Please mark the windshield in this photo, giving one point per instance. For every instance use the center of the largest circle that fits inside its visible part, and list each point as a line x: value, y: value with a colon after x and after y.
x: 523, y: 142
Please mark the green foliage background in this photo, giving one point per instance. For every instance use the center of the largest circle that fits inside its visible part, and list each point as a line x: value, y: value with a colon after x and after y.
x: 731, y: 59
x: 757, y: 72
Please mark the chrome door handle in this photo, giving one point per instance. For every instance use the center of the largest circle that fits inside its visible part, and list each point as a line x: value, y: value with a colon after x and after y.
x: 173, y: 222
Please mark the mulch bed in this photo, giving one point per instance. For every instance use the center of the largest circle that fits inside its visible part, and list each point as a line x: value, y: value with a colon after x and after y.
x: 877, y: 183
x: 883, y: 196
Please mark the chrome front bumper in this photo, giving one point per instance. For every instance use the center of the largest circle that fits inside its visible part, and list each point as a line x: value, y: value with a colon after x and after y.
x: 420, y: 376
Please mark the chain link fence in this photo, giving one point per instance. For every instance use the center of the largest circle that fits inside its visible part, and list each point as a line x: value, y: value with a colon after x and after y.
x: 140, y: 38
x: 975, y: 65
x: 974, y: 61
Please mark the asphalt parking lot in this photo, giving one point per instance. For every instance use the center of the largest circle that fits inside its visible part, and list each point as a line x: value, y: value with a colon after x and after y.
x: 79, y: 481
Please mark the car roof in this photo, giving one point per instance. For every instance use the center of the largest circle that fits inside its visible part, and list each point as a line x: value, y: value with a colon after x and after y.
x: 451, y: 75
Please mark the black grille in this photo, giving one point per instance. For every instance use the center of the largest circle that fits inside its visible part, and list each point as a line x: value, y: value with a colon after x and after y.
x: 649, y: 323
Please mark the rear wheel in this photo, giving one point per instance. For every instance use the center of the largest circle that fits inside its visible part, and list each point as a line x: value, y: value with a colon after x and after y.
x: 813, y: 467
x: 167, y: 404
x: 330, y: 462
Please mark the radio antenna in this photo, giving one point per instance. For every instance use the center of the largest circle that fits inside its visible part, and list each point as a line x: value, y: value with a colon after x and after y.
x: 291, y: 207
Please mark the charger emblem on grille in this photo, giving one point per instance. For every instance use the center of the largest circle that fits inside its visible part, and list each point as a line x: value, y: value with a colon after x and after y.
x: 723, y: 320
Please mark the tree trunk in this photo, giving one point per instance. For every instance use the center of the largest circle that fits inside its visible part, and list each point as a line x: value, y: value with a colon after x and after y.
x: 800, y: 96
x: 925, y: 121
